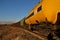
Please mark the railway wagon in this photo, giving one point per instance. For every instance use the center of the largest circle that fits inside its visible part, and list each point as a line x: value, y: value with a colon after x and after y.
x: 45, y: 10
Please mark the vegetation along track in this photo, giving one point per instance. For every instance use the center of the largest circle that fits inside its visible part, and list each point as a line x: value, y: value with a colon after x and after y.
x: 35, y: 33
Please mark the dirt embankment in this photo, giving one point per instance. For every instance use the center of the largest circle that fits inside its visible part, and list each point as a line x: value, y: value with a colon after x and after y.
x: 14, y: 33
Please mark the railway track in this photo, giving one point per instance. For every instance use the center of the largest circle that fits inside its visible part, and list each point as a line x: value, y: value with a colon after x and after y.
x: 16, y: 33
x: 35, y: 33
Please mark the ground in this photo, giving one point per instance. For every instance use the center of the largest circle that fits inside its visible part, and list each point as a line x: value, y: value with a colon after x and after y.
x: 15, y: 33
x: 12, y: 32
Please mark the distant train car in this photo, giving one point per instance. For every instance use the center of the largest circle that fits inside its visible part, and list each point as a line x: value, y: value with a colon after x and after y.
x: 22, y: 22
x: 45, y: 10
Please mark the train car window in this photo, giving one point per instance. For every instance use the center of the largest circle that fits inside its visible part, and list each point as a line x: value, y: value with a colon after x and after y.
x: 40, y: 8
x: 30, y: 15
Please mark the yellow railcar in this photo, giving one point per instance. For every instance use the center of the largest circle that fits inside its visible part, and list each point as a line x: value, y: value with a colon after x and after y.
x: 46, y: 9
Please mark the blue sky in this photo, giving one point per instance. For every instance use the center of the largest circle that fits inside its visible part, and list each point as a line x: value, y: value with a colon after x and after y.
x: 15, y: 10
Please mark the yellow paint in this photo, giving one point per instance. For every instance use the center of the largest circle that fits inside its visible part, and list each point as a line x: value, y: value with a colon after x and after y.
x: 51, y: 8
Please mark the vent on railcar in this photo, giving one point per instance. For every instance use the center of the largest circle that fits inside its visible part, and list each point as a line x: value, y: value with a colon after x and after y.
x: 58, y: 19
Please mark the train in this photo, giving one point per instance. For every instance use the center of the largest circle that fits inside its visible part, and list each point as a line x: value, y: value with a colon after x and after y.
x: 44, y: 12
